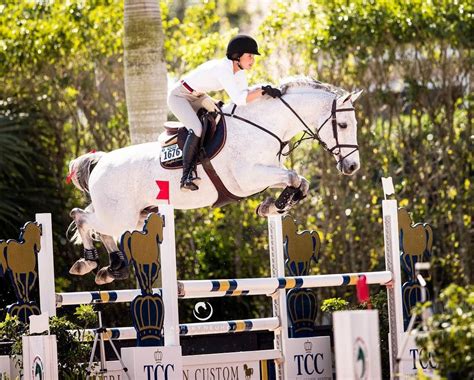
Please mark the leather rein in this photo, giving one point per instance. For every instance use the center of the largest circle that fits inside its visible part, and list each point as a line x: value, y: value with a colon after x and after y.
x: 308, y: 133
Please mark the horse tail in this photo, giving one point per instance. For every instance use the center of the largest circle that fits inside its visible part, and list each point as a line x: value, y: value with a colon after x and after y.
x: 80, y: 169
x: 72, y: 229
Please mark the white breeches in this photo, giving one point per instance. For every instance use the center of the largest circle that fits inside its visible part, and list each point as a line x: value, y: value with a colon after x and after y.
x: 184, y: 106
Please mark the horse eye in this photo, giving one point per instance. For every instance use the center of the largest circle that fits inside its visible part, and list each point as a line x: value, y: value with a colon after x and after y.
x: 342, y: 125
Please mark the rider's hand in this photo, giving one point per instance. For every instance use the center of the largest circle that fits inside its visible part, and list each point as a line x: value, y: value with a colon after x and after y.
x: 271, y: 91
x: 209, y: 104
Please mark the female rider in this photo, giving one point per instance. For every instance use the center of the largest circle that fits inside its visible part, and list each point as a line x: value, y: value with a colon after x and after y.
x: 189, y: 95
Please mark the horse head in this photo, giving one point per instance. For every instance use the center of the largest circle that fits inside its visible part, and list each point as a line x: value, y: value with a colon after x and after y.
x: 327, y: 114
x: 337, y: 132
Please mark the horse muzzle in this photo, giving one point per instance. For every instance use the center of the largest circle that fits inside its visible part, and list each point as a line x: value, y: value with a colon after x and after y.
x: 348, y: 166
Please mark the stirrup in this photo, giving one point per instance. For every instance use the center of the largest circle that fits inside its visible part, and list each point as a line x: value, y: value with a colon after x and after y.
x: 188, y: 184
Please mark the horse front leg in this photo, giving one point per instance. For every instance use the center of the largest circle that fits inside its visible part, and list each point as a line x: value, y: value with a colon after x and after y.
x: 118, y: 265
x: 295, y: 187
x: 288, y: 198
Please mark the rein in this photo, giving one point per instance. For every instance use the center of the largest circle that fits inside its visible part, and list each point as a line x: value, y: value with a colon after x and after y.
x: 308, y: 133
x: 282, y: 143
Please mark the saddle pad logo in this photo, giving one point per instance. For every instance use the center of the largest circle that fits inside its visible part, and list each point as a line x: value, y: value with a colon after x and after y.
x: 170, y: 153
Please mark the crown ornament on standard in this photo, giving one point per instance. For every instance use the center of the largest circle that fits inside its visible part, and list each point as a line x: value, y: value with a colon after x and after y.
x: 302, y: 312
x: 148, y: 315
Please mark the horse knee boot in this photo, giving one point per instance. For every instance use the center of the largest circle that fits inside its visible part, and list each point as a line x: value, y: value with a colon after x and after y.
x: 190, y: 152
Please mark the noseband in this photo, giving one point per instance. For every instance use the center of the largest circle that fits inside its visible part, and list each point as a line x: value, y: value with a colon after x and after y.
x: 336, y: 149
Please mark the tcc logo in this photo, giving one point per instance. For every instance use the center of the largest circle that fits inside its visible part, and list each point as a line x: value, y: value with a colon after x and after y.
x: 309, y: 363
x: 159, y: 371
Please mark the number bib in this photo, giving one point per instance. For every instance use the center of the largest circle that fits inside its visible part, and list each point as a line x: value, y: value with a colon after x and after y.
x: 170, y: 153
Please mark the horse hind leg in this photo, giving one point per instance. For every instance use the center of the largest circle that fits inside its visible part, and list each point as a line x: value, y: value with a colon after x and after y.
x: 118, y: 265
x: 90, y: 258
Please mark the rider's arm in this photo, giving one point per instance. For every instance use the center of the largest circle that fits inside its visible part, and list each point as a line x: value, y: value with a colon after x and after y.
x: 229, y: 83
x: 254, y: 94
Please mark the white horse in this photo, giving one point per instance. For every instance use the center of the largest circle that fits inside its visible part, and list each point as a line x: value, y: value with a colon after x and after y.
x: 122, y: 183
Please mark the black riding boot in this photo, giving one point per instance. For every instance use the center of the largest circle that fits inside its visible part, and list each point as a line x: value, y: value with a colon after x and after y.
x: 190, y: 151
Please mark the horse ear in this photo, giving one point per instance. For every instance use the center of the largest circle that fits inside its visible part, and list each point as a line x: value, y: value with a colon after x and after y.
x: 352, y: 96
x: 344, y: 98
x: 355, y: 95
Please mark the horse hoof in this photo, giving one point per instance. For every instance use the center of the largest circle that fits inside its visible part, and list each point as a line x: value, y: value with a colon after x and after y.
x: 82, y: 267
x: 104, y: 276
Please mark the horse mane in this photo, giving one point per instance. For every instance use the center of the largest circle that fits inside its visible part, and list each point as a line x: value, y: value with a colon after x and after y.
x: 305, y: 82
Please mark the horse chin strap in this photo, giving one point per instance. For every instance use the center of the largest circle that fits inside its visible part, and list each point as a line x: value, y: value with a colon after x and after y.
x: 336, y: 149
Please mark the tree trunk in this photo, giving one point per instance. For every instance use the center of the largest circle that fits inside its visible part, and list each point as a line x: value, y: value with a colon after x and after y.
x: 145, y: 70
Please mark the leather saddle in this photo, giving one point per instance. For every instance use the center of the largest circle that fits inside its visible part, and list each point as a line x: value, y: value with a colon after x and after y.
x: 173, y: 139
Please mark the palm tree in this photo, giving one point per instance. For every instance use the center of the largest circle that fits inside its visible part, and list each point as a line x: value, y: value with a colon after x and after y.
x: 145, y: 69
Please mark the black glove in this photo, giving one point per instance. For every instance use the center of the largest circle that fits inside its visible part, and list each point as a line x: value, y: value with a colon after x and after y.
x: 273, y: 92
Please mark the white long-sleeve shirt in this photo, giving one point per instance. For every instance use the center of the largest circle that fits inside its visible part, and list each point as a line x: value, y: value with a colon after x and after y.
x: 216, y: 75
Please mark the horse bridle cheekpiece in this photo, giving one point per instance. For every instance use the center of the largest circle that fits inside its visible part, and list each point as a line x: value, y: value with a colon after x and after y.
x: 335, y: 125
x: 336, y: 149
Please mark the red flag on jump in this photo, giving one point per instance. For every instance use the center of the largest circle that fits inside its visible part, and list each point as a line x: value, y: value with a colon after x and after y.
x: 164, y: 190
x: 363, y: 294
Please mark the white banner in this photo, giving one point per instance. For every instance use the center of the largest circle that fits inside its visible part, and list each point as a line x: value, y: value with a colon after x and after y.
x: 40, y: 357
x: 357, y: 345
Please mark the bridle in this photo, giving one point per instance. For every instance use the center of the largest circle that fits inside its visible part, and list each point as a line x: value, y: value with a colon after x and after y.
x: 336, y: 149
x: 308, y: 133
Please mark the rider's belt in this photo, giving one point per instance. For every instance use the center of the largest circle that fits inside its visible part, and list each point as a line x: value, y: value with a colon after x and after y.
x: 187, y: 86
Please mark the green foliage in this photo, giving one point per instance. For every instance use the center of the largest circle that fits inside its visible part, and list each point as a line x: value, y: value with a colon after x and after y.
x: 380, y: 303
x: 450, y: 333
x: 86, y: 315
x: 331, y: 305
x: 201, y: 35
x: 11, y: 330
x: 16, y: 170
x: 72, y: 353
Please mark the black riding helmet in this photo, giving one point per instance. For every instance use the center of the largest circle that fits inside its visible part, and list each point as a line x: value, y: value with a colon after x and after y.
x: 241, y: 44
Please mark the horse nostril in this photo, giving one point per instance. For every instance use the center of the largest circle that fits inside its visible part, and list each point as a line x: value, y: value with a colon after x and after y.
x: 352, y: 167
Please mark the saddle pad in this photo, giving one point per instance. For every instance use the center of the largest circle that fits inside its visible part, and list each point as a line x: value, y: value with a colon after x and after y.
x: 171, y: 156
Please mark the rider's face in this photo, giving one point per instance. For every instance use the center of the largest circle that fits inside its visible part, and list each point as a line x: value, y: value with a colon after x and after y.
x: 247, y: 60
